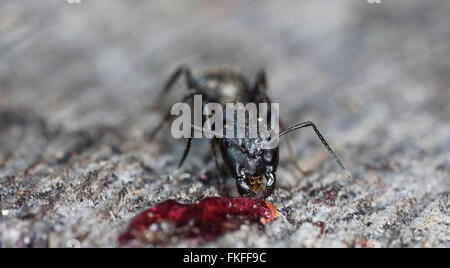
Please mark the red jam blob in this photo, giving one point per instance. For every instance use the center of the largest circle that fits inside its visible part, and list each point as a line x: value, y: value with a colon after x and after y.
x: 206, y: 219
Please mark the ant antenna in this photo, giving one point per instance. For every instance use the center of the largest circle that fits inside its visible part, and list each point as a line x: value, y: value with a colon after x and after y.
x: 344, y: 170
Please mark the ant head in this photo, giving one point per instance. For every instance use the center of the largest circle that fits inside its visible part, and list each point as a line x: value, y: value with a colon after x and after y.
x: 249, y: 161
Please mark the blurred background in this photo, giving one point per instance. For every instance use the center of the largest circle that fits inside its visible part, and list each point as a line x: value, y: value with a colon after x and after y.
x: 77, y: 84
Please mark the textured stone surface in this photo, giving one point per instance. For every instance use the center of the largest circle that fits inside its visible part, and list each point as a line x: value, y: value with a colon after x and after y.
x: 77, y: 84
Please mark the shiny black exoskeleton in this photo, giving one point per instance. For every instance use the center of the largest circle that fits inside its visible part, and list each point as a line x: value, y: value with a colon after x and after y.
x: 246, y: 159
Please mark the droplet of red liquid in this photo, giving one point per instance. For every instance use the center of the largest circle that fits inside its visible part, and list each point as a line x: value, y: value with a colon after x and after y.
x: 206, y: 219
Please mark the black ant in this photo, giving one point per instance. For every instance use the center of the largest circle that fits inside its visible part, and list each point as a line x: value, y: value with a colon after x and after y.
x: 246, y: 158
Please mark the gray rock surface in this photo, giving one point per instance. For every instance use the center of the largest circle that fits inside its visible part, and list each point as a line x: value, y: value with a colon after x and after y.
x: 77, y: 86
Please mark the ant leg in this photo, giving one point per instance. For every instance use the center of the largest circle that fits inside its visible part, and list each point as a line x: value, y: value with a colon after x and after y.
x: 261, y: 81
x: 261, y: 85
x: 222, y: 187
x: 213, y: 148
x: 216, y: 160
x: 186, y: 151
x: 183, y: 69
x: 324, y: 142
x: 190, y: 82
x: 167, y: 119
